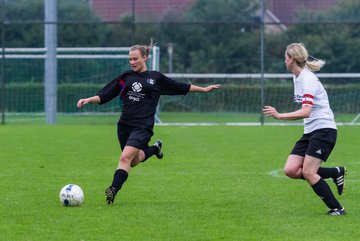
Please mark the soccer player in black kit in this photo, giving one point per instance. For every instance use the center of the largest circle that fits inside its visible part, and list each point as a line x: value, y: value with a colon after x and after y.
x: 140, y: 90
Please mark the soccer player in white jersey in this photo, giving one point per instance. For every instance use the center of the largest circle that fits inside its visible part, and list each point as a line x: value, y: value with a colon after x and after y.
x: 320, y: 131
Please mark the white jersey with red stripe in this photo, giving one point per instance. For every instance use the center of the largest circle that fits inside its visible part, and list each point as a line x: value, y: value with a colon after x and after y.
x: 308, y: 90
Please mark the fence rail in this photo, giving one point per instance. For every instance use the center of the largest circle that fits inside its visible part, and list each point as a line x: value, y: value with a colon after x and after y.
x: 256, y: 75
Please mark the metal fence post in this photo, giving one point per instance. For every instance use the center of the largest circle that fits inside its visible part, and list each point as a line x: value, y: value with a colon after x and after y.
x: 50, y: 61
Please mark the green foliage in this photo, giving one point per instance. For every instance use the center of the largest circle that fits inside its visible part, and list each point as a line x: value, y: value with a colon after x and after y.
x: 343, y: 11
x: 128, y: 33
x: 244, y: 98
x: 335, y: 42
x: 31, y: 34
x: 24, y: 10
x: 347, y: 10
x: 79, y: 34
x: 212, y: 36
x: 98, y: 71
x: 208, y: 40
x: 24, y: 35
x: 17, y: 97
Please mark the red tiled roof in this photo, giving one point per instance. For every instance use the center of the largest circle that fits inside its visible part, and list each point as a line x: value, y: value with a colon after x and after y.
x: 151, y: 10
x: 285, y: 10
x: 111, y: 10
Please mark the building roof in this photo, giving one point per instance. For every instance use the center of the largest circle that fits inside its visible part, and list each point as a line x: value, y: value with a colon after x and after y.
x: 144, y: 10
x: 286, y: 10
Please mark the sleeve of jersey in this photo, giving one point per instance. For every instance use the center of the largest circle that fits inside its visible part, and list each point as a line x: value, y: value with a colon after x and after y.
x: 111, y: 90
x: 307, y: 99
x: 309, y: 92
x: 172, y: 87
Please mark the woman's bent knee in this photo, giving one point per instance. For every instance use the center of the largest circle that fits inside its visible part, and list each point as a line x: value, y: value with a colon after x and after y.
x: 293, y: 173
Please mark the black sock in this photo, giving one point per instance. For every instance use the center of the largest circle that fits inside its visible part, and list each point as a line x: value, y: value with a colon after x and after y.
x: 326, y: 172
x: 150, y: 151
x: 120, y: 177
x: 322, y: 189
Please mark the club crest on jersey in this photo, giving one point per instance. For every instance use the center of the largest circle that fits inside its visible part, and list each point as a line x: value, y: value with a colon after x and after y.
x: 150, y: 81
x: 136, y: 86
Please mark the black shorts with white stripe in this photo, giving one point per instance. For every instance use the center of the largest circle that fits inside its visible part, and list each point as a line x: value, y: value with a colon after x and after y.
x: 318, y: 144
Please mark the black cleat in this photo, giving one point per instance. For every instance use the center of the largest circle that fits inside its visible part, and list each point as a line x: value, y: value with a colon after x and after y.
x: 336, y: 212
x: 110, y: 195
x: 340, y: 179
x: 160, y: 153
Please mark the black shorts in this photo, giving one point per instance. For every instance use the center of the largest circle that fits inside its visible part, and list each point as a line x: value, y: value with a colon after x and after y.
x: 318, y: 144
x: 133, y: 136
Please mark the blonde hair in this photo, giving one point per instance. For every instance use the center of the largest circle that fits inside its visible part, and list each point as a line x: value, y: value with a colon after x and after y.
x: 144, y: 49
x: 299, y: 53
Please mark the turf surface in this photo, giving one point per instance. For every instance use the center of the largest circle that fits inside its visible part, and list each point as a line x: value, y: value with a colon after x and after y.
x: 214, y: 183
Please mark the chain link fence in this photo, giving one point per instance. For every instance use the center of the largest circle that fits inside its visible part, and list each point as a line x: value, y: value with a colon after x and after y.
x: 194, y: 36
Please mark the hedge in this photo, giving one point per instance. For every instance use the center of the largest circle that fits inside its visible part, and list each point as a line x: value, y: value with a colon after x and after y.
x: 29, y: 97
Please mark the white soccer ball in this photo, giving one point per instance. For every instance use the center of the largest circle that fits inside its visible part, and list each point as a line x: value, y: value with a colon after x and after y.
x: 71, y: 195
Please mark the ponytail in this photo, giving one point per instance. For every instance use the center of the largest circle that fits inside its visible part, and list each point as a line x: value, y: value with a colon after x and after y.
x: 300, y: 55
x: 315, y: 64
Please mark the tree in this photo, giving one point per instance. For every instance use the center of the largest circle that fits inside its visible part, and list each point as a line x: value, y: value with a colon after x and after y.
x: 127, y: 33
x: 25, y: 27
x: 90, y: 33
x: 331, y: 35
x: 215, y: 36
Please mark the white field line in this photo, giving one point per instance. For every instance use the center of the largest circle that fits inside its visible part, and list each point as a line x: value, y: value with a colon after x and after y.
x: 279, y: 173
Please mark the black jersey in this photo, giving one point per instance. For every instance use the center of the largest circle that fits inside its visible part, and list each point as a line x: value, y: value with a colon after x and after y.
x: 140, y: 93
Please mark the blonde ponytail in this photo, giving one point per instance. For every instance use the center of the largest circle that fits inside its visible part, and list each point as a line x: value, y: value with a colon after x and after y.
x: 315, y: 64
x: 300, y: 55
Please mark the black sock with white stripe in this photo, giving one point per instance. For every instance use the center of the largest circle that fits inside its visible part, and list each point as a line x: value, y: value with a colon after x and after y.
x: 322, y: 189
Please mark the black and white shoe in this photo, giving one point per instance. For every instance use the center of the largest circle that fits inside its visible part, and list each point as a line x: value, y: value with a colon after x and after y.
x: 336, y: 212
x: 110, y: 193
x: 160, y: 153
x: 340, y: 179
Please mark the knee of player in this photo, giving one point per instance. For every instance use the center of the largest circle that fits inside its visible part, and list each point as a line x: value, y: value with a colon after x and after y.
x: 308, y: 174
x: 126, y: 159
x: 291, y: 172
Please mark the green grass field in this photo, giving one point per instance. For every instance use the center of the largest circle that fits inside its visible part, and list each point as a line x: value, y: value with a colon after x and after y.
x: 214, y: 183
x: 167, y: 117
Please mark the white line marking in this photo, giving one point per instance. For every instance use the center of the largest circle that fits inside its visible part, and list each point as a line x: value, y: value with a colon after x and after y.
x: 277, y: 173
